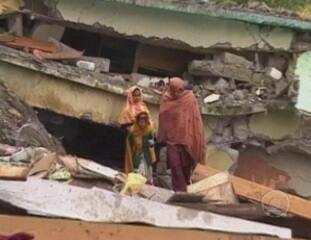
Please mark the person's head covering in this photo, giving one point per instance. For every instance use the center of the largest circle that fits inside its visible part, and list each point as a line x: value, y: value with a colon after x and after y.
x: 140, y: 115
x: 131, y: 108
x: 136, y: 129
x: 176, y: 83
x: 180, y: 121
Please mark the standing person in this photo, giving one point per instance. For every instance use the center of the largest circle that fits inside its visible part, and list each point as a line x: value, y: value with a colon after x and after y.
x: 181, y: 128
x: 134, y: 105
x: 140, y: 155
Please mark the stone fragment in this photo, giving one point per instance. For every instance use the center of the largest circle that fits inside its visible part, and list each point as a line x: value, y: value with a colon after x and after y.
x: 212, y: 68
x: 280, y: 88
x: 222, y: 86
x: 274, y: 73
x: 212, y: 98
x: 229, y: 58
x: 221, y: 158
x: 239, y: 94
x: 240, y: 129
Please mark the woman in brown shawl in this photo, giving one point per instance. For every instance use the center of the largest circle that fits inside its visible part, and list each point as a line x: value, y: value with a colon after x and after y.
x: 181, y: 128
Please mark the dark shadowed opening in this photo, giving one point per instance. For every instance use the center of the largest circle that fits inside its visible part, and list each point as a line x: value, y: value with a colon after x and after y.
x: 101, y: 143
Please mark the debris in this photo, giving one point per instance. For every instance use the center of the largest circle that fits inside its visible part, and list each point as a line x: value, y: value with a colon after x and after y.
x: 7, y: 150
x: 19, y: 124
x: 229, y: 58
x: 134, y: 183
x: 101, y: 64
x: 280, y: 88
x: 222, y: 86
x: 86, y: 65
x: 240, y: 129
x: 212, y: 98
x: 261, y: 194
x: 60, y: 174
x: 98, y: 205
x: 274, y: 73
x: 83, y: 168
x: 65, y: 55
x: 221, y: 157
x: 211, y: 68
x: 216, y: 187
x: 41, y: 166
x: 13, y: 172
x: 155, y: 193
x: 27, y: 43
x: 241, y: 210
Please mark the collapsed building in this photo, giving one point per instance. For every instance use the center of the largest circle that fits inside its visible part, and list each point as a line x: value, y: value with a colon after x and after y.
x: 249, y: 68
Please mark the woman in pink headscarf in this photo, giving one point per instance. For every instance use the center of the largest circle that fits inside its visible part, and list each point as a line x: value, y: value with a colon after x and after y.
x: 181, y: 128
x: 134, y: 105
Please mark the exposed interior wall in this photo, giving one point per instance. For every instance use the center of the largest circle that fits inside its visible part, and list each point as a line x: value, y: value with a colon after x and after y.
x: 194, y: 30
x: 154, y: 60
x: 121, y: 52
x: 303, y: 73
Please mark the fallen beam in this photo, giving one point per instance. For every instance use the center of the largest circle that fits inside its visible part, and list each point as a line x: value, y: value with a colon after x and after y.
x: 51, y: 229
x: 25, y: 42
x: 48, y: 198
x: 259, y: 193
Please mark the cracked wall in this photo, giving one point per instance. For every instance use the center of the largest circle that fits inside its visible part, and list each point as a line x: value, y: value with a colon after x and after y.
x: 286, y: 169
x: 194, y: 30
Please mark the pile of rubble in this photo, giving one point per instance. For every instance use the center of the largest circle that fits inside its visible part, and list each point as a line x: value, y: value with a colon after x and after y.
x: 234, y: 82
x: 19, y: 124
x: 106, y: 195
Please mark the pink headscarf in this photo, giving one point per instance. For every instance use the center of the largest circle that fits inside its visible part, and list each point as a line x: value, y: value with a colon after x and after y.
x: 131, y: 108
x: 175, y: 84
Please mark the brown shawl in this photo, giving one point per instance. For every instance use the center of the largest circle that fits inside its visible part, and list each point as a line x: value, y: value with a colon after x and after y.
x: 180, y: 123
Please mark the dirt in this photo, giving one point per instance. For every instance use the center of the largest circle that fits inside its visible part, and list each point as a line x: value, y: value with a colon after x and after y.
x: 53, y: 229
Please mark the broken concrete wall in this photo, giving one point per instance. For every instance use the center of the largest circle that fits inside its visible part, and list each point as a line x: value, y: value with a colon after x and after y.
x: 285, y: 170
x: 63, y: 96
x: 191, y: 29
x: 19, y: 124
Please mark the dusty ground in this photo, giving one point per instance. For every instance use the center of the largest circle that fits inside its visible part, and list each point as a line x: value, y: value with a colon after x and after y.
x: 54, y: 229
